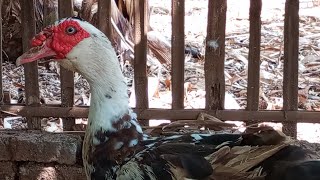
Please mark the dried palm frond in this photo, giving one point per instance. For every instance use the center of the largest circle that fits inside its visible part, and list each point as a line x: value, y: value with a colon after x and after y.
x: 241, y: 162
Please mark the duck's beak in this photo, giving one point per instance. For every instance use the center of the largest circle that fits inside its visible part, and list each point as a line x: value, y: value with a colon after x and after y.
x: 41, y: 48
x: 34, y: 54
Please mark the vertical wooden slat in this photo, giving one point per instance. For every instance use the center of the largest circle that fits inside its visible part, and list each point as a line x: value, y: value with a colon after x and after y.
x: 6, y: 97
x: 254, y: 56
x: 140, y: 54
x: 1, y: 88
x: 290, y: 73
x: 177, y: 54
x: 1, y: 60
x: 5, y: 100
x: 104, y: 17
x: 30, y: 69
x: 215, y: 53
x: 67, y: 78
x: 86, y: 8
x: 50, y: 14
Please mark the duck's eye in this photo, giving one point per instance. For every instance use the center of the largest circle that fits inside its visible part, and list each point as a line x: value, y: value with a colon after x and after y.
x: 71, y: 30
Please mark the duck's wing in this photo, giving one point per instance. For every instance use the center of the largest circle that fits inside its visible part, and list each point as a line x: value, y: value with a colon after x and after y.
x: 127, y: 155
x: 169, y: 160
x: 175, y: 157
x: 292, y: 161
x: 186, y: 156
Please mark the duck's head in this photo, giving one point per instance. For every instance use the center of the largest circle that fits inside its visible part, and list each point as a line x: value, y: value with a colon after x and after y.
x: 76, y: 45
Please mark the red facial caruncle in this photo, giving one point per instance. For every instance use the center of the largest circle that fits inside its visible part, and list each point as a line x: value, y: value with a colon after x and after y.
x: 40, y: 38
x: 64, y: 37
x: 55, y: 41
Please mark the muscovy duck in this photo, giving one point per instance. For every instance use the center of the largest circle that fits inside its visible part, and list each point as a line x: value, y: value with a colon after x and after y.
x: 115, y: 146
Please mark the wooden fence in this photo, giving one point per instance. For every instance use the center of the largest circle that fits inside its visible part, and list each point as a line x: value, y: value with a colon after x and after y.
x: 214, y: 69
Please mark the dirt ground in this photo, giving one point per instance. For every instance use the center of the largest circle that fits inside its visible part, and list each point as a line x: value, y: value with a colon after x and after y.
x: 237, y: 37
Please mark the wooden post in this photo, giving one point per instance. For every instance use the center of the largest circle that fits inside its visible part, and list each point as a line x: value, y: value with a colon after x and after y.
x: 66, y: 76
x: 254, y: 57
x: 1, y: 88
x: 49, y: 16
x: 104, y: 17
x: 30, y: 69
x: 215, y: 53
x: 140, y: 54
x: 86, y: 6
x: 1, y: 60
x: 290, y: 73
x: 177, y: 54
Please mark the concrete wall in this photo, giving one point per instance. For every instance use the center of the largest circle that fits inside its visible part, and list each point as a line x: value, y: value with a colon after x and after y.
x: 40, y: 156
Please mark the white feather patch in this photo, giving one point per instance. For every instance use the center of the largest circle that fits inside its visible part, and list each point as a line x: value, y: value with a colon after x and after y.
x: 197, y: 137
x: 172, y: 137
x: 133, y: 142
x: 138, y: 127
x: 118, y: 145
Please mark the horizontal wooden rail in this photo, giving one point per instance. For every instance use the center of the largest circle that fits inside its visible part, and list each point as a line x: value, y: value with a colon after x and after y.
x: 185, y: 114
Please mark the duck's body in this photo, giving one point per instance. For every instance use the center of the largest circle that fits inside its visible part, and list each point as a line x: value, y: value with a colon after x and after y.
x: 115, y: 146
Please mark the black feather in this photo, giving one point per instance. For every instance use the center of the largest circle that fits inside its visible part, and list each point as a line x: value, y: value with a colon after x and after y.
x: 197, y: 166
x: 77, y: 17
x: 308, y: 170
